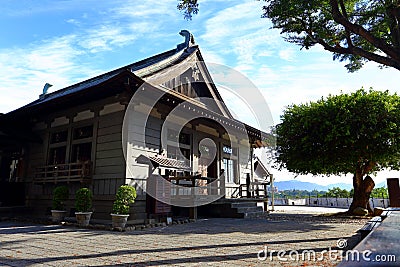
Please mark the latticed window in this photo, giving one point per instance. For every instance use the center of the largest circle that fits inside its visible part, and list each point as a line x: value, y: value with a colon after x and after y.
x: 229, y: 167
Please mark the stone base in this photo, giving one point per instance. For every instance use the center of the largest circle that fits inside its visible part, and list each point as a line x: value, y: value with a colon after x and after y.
x: 83, y: 218
x: 119, y: 220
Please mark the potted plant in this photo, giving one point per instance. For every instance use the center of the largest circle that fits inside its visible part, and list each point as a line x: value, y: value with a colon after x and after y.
x: 60, y: 195
x: 125, y: 196
x: 83, y: 206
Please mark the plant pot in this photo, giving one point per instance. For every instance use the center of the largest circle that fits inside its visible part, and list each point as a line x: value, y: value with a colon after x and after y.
x: 83, y: 218
x: 119, y: 220
x: 58, y: 216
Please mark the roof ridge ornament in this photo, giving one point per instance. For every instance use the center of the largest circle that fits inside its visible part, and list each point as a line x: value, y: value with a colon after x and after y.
x: 189, y: 40
x: 45, y: 89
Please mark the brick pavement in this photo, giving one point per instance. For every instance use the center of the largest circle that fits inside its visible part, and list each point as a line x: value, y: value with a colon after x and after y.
x: 208, y: 242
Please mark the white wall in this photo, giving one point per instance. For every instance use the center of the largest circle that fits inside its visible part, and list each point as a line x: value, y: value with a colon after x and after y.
x: 328, y: 202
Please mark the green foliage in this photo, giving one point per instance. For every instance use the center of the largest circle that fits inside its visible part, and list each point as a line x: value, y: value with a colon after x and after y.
x: 380, y: 192
x: 83, y: 200
x: 337, y: 192
x: 125, y: 196
x: 295, y: 193
x: 341, y: 134
x: 60, y: 194
x: 354, y: 31
x: 189, y: 8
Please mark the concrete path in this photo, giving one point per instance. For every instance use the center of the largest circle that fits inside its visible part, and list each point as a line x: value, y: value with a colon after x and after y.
x: 306, y: 209
x: 206, y: 242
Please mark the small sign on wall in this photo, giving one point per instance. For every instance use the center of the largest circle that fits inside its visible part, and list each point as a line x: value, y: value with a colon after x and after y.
x: 227, y: 149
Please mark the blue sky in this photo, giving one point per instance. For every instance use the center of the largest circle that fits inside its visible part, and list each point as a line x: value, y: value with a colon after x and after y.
x: 64, y: 42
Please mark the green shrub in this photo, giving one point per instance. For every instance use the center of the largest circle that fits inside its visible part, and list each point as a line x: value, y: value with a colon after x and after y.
x: 83, y: 200
x: 125, y: 196
x: 60, y: 194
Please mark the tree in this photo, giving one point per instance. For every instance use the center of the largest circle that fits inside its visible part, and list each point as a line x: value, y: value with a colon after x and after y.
x: 337, y: 192
x: 380, y: 192
x: 355, y: 31
x: 349, y: 133
x: 189, y: 8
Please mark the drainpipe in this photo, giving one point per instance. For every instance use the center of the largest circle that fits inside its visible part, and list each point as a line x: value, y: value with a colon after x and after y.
x: 251, y: 169
x: 271, y: 176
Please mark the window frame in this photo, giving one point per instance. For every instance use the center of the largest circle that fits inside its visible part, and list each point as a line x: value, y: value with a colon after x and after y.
x: 70, y: 142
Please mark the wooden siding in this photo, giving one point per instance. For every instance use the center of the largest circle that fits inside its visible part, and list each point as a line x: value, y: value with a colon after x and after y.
x: 37, y: 154
x: 109, y: 169
x: 137, y: 173
x: 108, y: 160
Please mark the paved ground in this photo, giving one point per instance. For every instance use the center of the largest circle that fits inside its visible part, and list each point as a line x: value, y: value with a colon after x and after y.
x: 306, y: 210
x: 207, y: 242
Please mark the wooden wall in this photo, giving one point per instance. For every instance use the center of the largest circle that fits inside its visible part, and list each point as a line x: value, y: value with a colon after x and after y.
x: 110, y: 167
x: 108, y: 160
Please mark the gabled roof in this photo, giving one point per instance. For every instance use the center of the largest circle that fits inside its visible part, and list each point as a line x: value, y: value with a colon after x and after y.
x: 145, y: 70
x: 142, y: 70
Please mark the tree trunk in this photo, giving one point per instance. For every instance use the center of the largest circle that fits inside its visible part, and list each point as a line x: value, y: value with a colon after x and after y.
x: 362, y: 191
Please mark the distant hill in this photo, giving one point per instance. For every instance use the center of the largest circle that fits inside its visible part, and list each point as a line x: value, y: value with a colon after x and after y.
x: 299, y: 185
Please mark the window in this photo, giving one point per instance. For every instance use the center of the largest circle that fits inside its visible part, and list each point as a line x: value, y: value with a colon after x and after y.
x: 179, y: 145
x: 58, y: 147
x: 81, y: 152
x: 83, y: 132
x: 59, y: 137
x: 78, y: 146
x: 229, y: 167
x: 81, y: 145
x: 57, y: 155
x: 182, y: 138
x: 178, y: 153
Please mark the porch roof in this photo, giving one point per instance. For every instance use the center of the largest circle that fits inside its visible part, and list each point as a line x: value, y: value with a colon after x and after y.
x: 260, y: 168
x: 167, y: 163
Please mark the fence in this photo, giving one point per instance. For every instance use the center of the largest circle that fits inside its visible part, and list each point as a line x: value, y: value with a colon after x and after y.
x: 328, y: 202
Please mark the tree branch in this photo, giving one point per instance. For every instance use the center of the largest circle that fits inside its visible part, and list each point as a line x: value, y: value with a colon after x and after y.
x: 358, y: 51
x: 394, y: 15
x: 359, y: 30
x: 348, y: 37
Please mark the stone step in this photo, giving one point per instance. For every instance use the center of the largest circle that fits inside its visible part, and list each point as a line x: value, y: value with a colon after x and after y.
x: 250, y: 209
x: 243, y: 204
x: 234, y: 208
x: 254, y: 215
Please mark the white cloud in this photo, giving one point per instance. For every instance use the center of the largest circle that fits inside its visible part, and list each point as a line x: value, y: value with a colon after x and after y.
x: 212, y: 57
x: 23, y: 8
x: 105, y: 38
x: 233, y: 21
x: 37, y: 64
x: 287, y: 54
x: 60, y: 59
x: 153, y: 9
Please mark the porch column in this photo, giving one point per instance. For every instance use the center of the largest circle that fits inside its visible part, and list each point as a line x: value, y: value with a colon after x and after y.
x: 394, y: 191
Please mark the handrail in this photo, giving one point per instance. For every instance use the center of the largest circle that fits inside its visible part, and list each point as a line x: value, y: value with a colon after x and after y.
x: 251, y: 191
x: 195, y: 185
x: 238, y: 192
x: 71, y: 172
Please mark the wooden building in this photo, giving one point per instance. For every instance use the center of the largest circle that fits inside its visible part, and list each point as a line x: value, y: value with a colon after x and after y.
x: 159, y: 117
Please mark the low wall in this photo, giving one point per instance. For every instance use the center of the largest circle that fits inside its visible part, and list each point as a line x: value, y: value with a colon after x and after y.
x: 327, y: 202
